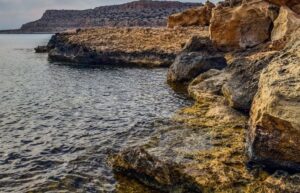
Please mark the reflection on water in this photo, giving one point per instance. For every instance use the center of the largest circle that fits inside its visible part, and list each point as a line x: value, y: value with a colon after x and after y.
x: 59, y: 123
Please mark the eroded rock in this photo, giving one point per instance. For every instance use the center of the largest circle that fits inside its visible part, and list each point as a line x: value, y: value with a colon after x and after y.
x: 274, y: 136
x: 199, y: 16
x: 241, y: 27
x: 198, y: 56
x: 242, y: 84
x: 286, y: 23
x: 150, y: 47
x: 292, y: 4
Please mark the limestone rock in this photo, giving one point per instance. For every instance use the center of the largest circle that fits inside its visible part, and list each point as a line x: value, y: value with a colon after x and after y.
x: 274, y: 136
x: 150, y: 47
x: 199, y: 16
x: 286, y: 23
x: 241, y: 27
x: 208, y: 86
x: 188, y: 65
x: 292, y: 4
x: 242, y: 83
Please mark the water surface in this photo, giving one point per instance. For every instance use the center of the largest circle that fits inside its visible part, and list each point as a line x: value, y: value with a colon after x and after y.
x: 58, y: 123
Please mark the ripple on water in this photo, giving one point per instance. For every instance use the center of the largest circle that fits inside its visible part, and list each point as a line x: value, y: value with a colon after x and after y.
x: 59, y: 123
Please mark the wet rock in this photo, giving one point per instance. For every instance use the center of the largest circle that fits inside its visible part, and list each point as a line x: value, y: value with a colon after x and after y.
x: 292, y: 4
x: 199, y: 16
x: 241, y: 27
x: 198, y: 56
x: 275, y: 125
x: 41, y: 49
x: 166, y: 176
x: 286, y: 23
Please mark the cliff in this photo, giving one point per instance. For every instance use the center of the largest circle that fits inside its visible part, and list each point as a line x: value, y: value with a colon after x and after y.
x: 137, y: 13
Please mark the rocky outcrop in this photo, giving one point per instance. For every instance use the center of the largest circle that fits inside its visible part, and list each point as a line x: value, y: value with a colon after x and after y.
x: 292, y: 4
x: 199, y: 16
x: 275, y: 124
x: 286, y: 23
x: 198, y: 56
x: 242, y: 84
x: 137, y: 13
x: 241, y: 27
x: 151, y: 47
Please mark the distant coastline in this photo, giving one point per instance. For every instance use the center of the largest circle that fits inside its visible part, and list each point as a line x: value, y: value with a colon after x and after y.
x: 18, y: 31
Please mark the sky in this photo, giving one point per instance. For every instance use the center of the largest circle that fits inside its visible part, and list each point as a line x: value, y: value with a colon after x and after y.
x: 14, y: 13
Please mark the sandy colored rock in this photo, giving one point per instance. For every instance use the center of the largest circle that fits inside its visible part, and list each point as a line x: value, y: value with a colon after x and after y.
x: 292, y: 4
x: 241, y: 27
x: 274, y: 136
x: 286, y: 23
x: 199, y: 16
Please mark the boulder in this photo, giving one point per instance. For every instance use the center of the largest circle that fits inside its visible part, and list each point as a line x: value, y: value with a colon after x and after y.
x: 198, y: 56
x: 242, y: 84
x: 241, y: 27
x: 208, y: 86
x: 292, y: 4
x: 41, y: 49
x: 286, y: 23
x: 274, y: 135
x: 199, y: 16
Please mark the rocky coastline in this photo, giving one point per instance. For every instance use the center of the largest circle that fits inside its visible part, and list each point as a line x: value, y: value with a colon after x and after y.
x: 243, y: 132
x: 148, y: 47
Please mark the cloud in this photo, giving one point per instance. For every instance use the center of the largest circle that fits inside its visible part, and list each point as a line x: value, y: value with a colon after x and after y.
x: 14, y: 13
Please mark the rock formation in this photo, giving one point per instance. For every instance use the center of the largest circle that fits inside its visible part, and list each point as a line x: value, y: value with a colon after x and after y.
x: 138, y: 46
x: 137, y: 13
x: 242, y: 67
x: 286, y: 23
x: 198, y: 56
x: 241, y: 27
x: 292, y: 4
x: 199, y: 16
x: 274, y: 135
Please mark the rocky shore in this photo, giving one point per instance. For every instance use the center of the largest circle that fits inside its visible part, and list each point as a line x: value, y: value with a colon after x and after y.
x: 243, y: 132
x: 151, y: 47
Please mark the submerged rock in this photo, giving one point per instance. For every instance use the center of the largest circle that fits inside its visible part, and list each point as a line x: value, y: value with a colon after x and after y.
x: 41, y: 49
x: 198, y: 56
x: 241, y: 27
x: 199, y: 16
x: 274, y: 135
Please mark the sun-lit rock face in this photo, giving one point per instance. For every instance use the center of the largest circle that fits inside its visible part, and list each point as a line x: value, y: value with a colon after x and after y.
x: 292, y: 4
x: 199, y: 16
x: 274, y: 135
x: 241, y: 27
x: 286, y: 23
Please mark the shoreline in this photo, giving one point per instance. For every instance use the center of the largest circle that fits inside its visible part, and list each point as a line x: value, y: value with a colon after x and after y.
x: 150, y: 47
